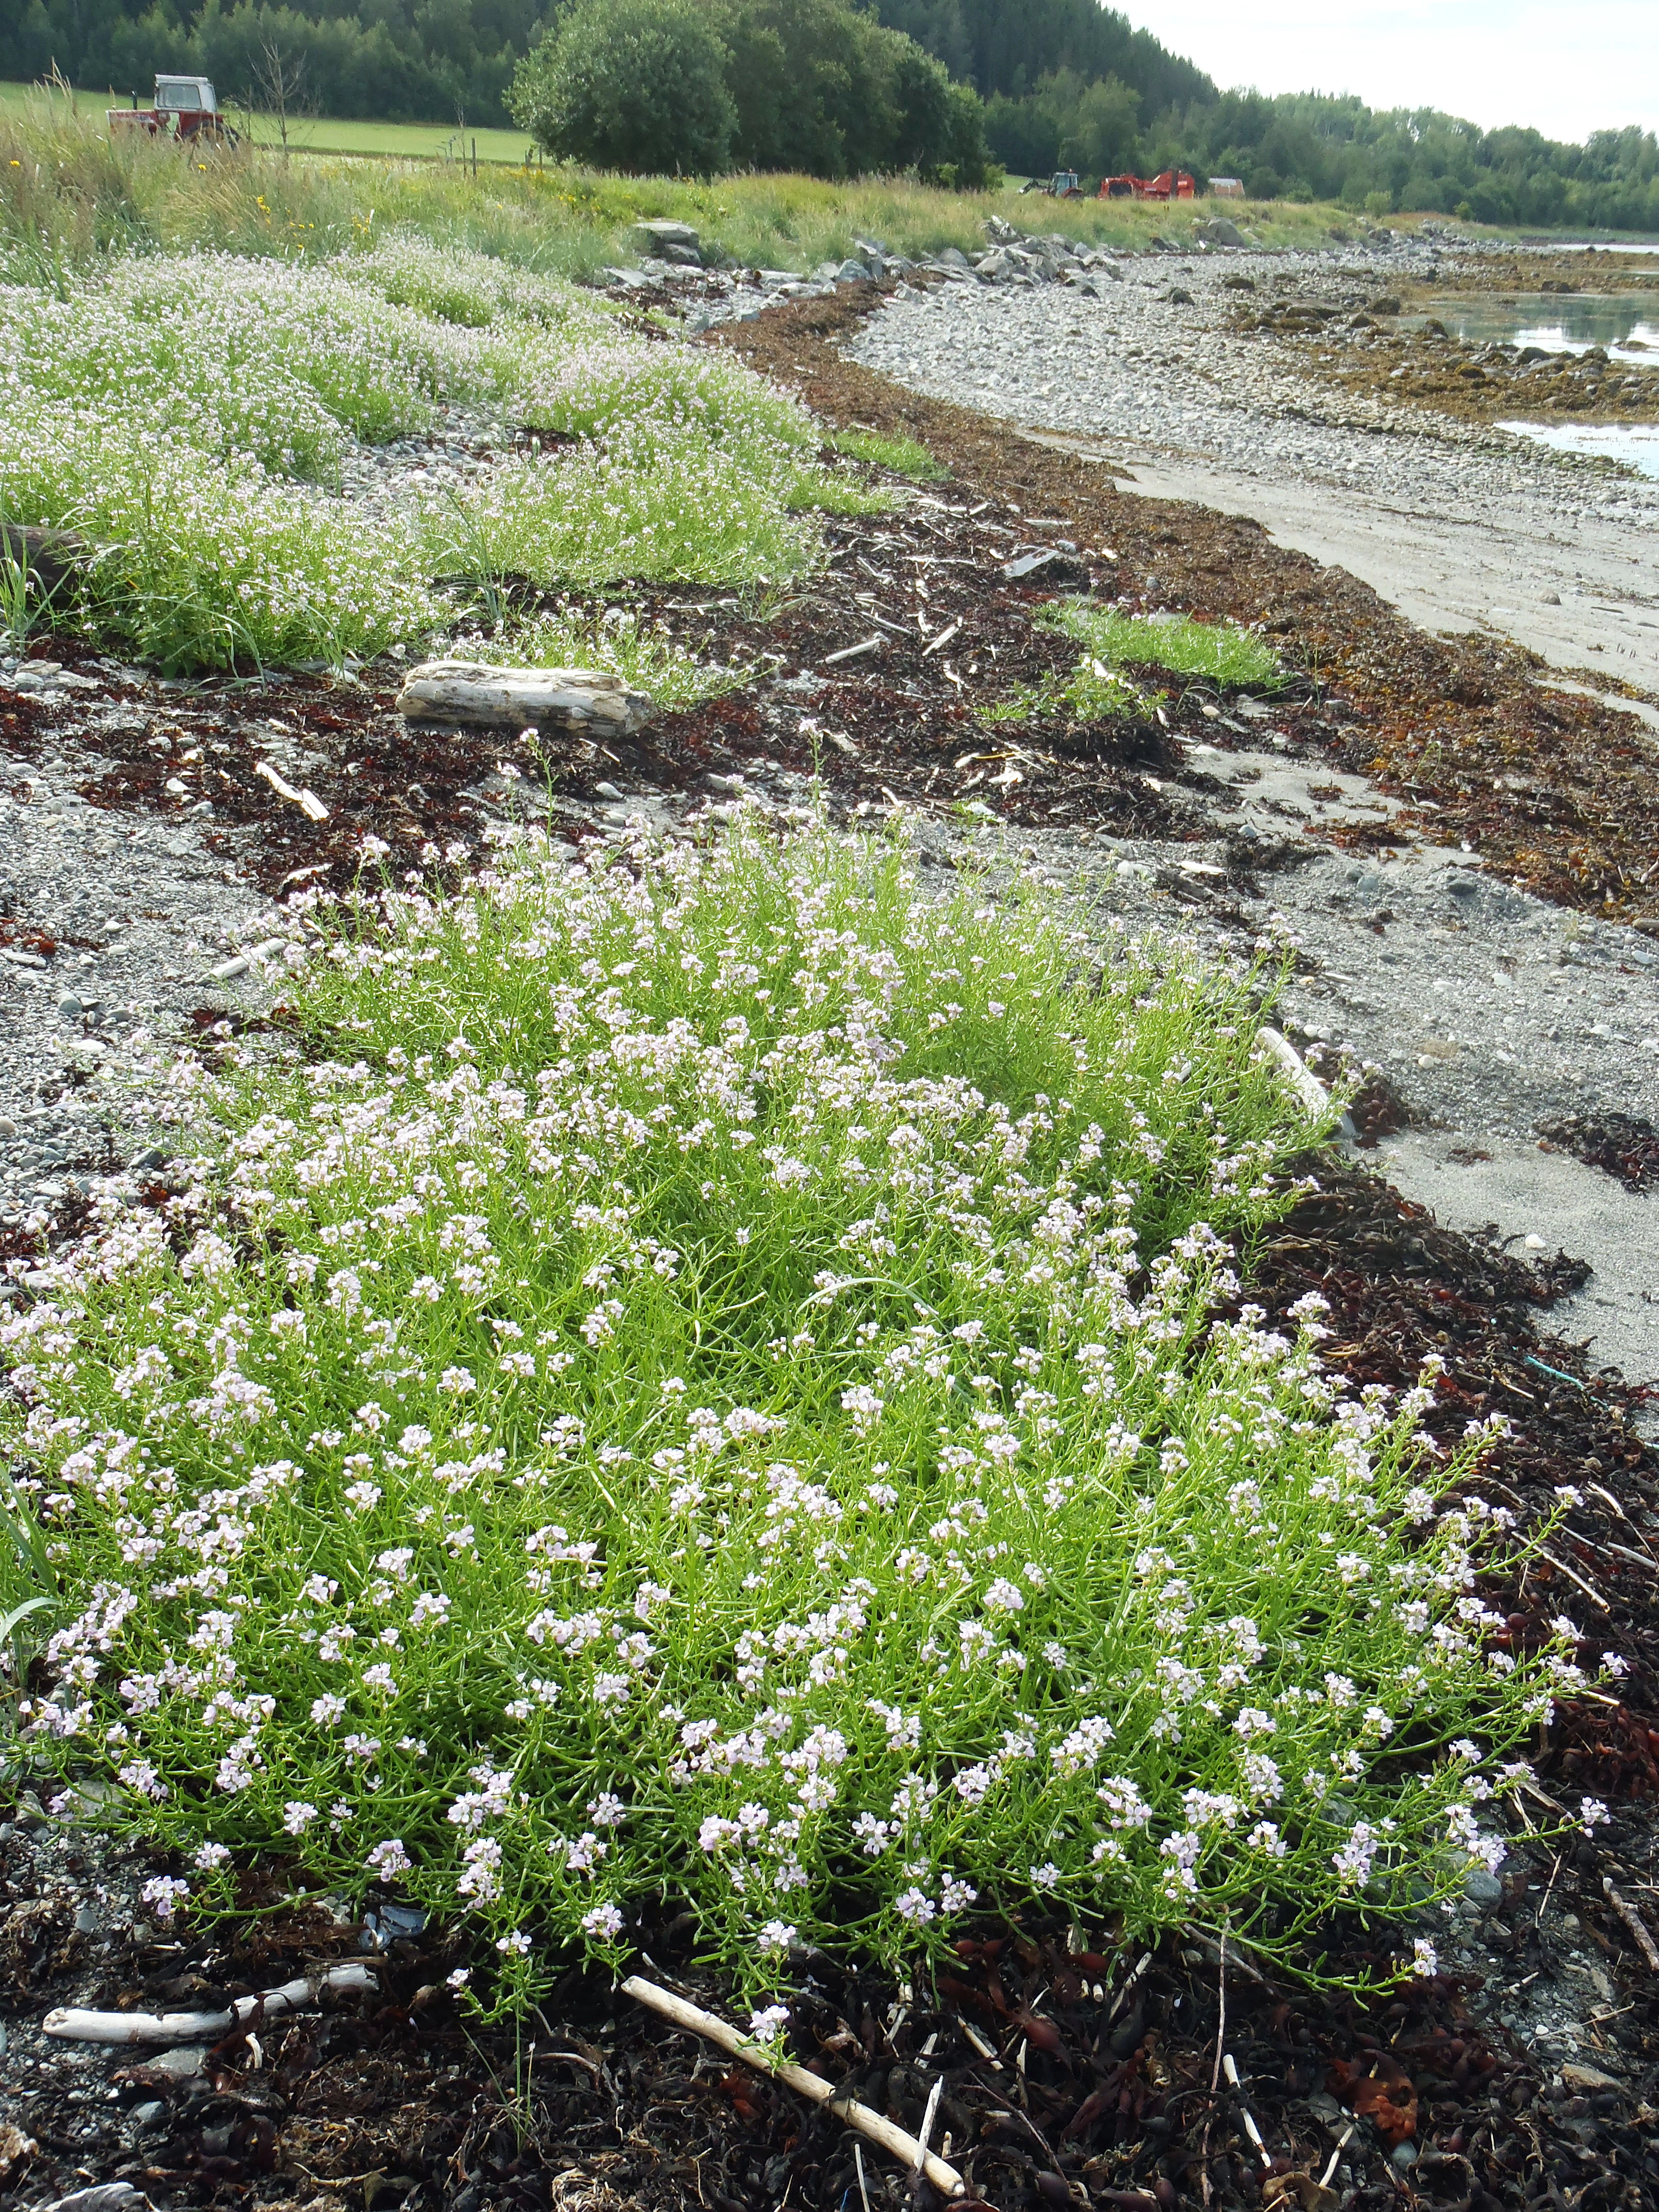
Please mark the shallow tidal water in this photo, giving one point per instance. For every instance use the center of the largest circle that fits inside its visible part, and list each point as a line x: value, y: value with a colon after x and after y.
x: 1626, y: 324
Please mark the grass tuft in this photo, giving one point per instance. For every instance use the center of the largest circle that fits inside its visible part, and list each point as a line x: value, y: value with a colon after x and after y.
x: 616, y: 638
x: 1225, y: 653
x: 699, y: 1382
x: 903, y: 457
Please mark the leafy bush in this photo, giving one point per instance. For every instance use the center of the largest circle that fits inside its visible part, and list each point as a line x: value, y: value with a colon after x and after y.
x: 630, y: 84
x: 712, y: 1394
x: 659, y: 87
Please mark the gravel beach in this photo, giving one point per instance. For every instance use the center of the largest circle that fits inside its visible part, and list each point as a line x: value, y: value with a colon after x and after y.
x: 1461, y: 526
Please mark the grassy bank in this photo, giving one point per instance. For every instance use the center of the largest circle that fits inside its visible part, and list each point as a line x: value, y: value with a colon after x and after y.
x: 330, y: 195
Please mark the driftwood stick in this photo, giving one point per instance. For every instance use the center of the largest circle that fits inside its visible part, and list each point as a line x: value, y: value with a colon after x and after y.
x: 914, y: 2155
x: 584, y: 701
x: 1310, y: 1093
x: 1632, y: 1920
x: 75, y: 2025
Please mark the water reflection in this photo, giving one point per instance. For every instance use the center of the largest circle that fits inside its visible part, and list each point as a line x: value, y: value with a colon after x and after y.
x: 1636, y: 443
x: 1626, y: 324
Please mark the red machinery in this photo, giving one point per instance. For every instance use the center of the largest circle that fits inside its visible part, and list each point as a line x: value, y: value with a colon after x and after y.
x: 186, y: 108
x: 1168, y: 185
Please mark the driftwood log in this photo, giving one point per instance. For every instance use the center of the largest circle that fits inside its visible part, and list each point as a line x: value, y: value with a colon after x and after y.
x: 874, y: 2126
x: 49, y: 554
x: 585, y: 702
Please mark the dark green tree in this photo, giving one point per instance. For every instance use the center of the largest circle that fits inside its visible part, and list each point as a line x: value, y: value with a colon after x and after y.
x: 639, y: 85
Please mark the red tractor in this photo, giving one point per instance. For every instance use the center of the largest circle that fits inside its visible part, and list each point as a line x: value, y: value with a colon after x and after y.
x: 186, y: 108
x: 1168, y: 185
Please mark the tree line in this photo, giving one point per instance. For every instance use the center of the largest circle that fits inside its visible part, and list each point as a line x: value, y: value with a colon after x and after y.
x: 944, y: 87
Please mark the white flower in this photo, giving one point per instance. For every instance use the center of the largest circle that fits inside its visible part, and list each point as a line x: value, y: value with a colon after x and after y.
x: 603, y: 1923
x: 164, y: 1893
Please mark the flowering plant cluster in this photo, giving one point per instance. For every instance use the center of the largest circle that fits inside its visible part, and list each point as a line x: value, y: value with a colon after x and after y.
x: 706, y: 1385
x: 200, y: 562
x: 159, y: 408
x: 455, y: 284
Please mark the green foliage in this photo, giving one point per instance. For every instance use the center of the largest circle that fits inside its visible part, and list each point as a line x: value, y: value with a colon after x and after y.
x: 813, y: 85
x: 905, y: 457
x: 576, y: 635
x: 651, y: 503
x: 635, y: 85
x: 155, y: 408
x: 1240, y: 658
x: 204, y: 562
x: 712, y: 1394
x: 1068, y: 121
x: 1092, y: 693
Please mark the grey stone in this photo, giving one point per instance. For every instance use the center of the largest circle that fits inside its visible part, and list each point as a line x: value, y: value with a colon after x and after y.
x: 148, y: 2116
x: 852, y: 272
x: 668, y: 241
x: 68, y: 1006
x: 1404, y: 2156
x: 1481, y: 1888
x: 1218, y: 230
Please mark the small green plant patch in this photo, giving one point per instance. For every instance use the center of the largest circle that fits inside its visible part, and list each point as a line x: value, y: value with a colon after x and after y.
x: 702, y: 1384
x: 1222, y: 651
x: 1092, y: 693
x: 903, y: 457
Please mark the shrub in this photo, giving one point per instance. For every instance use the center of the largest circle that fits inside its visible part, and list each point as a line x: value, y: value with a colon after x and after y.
x: 630, y: 84
x: 707, y: 1391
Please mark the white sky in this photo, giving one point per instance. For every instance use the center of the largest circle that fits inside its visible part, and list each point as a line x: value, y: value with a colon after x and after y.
x: 1563, y: 66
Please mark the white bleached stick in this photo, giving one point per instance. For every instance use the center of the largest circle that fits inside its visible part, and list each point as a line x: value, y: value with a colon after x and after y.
x: 308, y: 801
x: 75, y: 2025
x: 1311, y: 1094
x: 904, y: 2147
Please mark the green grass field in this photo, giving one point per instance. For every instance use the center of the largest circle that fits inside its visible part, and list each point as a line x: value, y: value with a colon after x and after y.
x: 410, y: 141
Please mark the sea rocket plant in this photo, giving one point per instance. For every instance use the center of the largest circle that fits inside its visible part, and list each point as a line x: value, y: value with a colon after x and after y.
x: 651, y: 1404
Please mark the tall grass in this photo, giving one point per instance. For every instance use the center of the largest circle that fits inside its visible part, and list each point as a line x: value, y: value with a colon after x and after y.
x: 69, y: 194
x: 698, y: 1388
